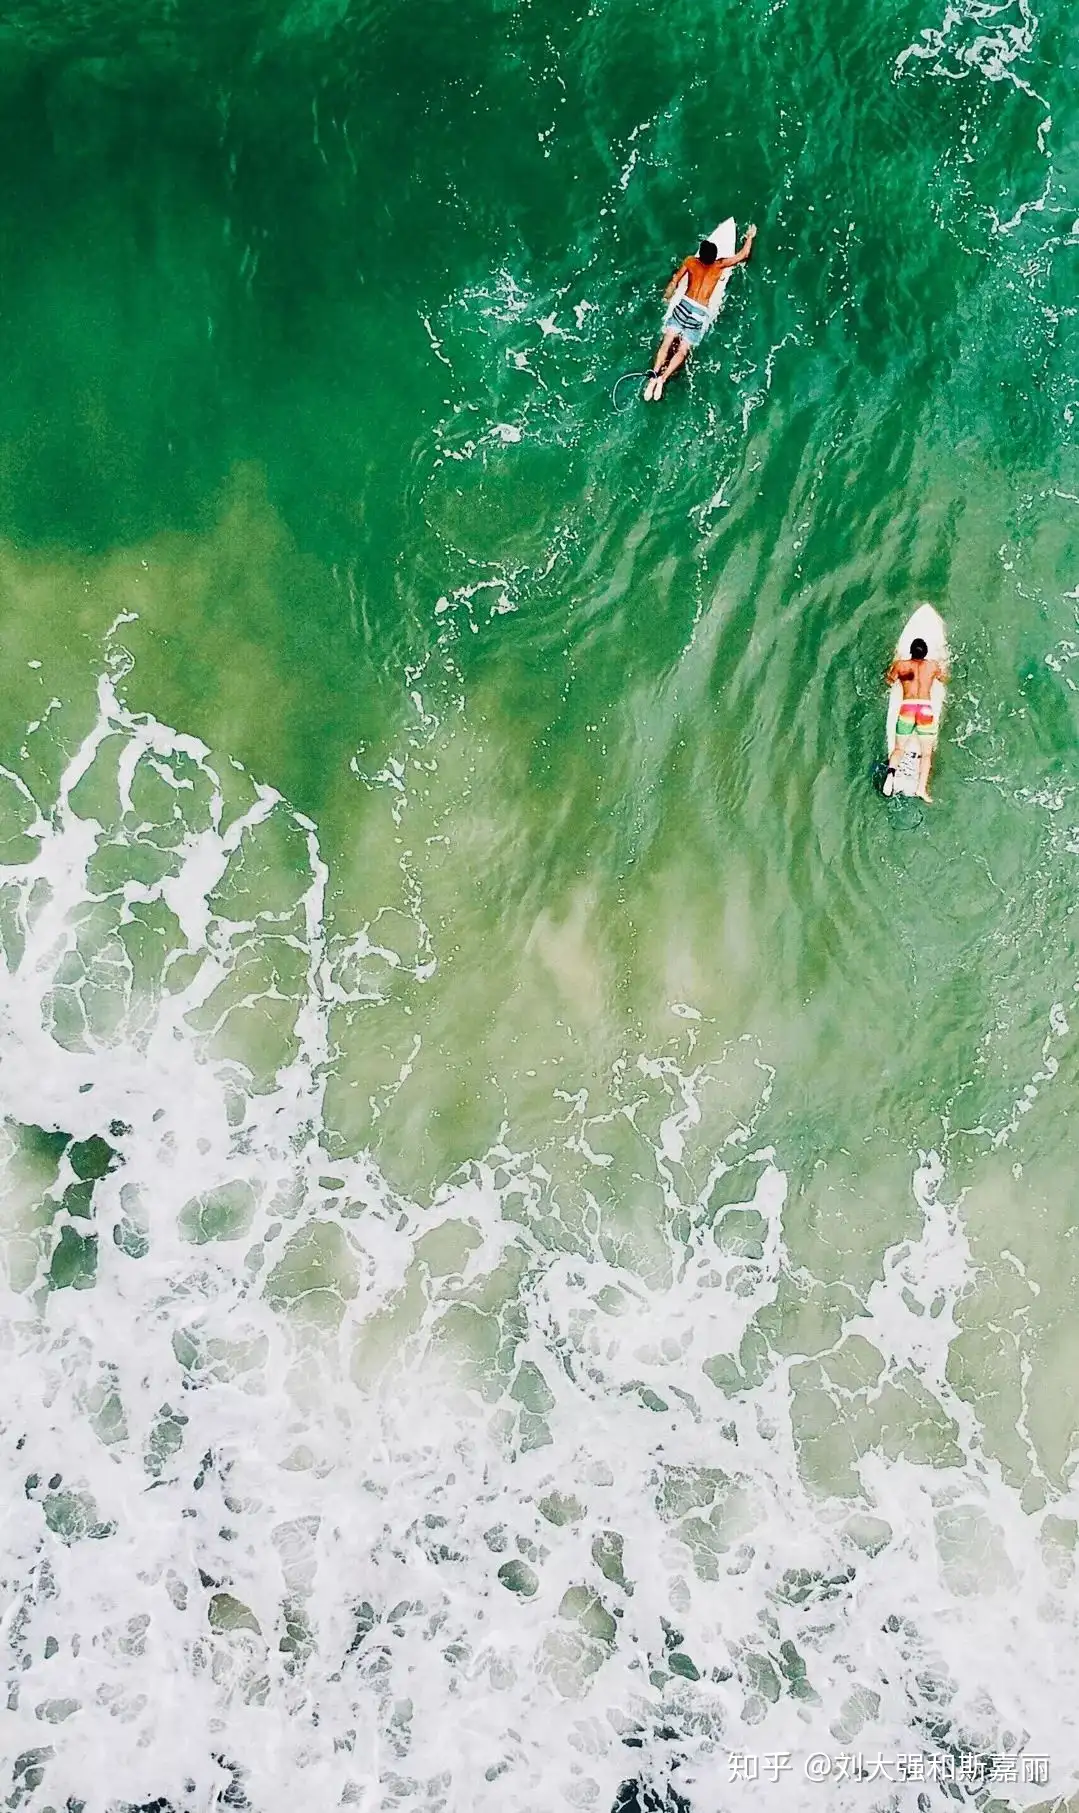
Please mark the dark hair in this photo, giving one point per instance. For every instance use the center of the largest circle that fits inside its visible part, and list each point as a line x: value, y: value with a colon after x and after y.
x: 707, y: 251
x: 918, y: 649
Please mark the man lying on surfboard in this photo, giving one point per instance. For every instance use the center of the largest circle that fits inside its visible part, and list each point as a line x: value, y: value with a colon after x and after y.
x: 918, y: 716
x: 691, y: 318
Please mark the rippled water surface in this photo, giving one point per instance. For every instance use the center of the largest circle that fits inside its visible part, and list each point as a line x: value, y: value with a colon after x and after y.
x: 537, y: 1231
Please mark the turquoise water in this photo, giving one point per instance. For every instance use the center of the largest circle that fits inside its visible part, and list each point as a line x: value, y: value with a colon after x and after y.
x: 538, y: 1211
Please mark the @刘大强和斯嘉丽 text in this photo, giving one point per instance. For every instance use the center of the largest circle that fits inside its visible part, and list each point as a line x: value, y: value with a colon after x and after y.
x: 901, y: 1766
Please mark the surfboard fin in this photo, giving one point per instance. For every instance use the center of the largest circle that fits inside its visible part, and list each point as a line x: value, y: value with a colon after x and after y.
x: 887, y: 786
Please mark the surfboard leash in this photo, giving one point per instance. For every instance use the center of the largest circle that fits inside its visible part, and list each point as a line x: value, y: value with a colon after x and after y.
x: 624, y: 379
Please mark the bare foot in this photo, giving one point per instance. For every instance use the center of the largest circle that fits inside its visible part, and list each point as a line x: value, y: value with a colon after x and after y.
x: 657, y: 389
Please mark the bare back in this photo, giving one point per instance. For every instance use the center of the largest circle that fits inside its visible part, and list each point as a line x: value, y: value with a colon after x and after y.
x: 916, y: 677
x: 702, y: 278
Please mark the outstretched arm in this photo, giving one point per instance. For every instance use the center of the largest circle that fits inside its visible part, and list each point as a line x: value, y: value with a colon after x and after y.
x: 747, y: 247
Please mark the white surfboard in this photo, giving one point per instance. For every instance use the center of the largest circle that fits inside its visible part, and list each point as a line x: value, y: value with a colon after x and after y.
x: 929, y: 625
x: 725, y: 239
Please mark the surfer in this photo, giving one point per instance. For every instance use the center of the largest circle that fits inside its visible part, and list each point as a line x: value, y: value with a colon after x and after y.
x: 690, y: 318
x: 918, y: 716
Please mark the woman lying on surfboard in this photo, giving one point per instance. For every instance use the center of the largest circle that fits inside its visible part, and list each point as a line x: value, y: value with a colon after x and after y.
x: 918, y: 717
x: 691, y: 318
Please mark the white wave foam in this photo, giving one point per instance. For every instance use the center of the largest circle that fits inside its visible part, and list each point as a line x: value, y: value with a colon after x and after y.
x: 325, y: 1497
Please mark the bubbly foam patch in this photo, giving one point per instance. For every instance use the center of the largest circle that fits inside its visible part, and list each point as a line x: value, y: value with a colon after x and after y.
x: 321, y: 1495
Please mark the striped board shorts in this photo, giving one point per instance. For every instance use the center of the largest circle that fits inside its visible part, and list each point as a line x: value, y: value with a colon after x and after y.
x: 690, y: 319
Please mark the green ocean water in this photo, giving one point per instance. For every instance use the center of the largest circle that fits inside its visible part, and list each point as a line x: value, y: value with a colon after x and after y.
x: 310, y: 316
x: 232, y: 260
